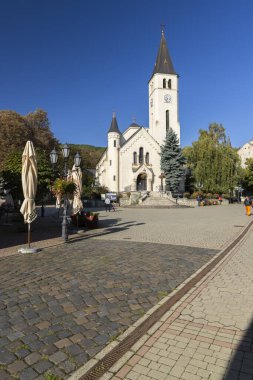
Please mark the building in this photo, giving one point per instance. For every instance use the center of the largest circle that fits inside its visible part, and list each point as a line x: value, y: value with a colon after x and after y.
x: 131, y: 161
x: 245, y: 152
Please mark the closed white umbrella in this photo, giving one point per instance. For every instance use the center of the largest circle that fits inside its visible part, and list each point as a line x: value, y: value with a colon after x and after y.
x: 29, y: 184
x: 77, y: 178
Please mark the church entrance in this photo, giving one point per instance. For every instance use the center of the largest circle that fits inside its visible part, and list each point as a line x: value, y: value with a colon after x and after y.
x: 142, y: 182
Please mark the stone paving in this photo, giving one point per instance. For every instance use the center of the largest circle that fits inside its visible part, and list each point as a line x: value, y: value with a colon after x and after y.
x: 60, y: 307
x: 207, y: 335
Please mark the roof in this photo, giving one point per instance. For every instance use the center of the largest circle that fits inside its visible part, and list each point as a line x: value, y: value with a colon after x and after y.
x: 163, y: 63
x: 114, y: 125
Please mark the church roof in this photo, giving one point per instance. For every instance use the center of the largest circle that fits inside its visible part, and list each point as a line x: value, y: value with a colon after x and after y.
x: 135, y: 125
x: 114, y: 125
x: 163, y: 63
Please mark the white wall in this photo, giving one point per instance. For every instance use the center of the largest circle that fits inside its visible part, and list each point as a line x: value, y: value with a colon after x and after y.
x: 158, y: 106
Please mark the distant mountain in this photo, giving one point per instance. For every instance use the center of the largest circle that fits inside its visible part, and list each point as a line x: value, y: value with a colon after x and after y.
x: 90, y: 154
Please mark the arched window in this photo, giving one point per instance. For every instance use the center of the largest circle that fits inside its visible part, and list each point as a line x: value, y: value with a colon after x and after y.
x: 169, y: 83
x: 141, y: 156
x: 164, y: 83
x: 135, y: 158
x: 147, y: 158
x: 167, y: 121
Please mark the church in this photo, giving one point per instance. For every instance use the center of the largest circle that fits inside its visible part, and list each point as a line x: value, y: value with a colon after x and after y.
x: 131, y: 161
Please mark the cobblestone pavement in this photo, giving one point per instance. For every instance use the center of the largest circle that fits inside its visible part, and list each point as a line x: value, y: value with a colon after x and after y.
x: 207, y: 335
x: 60, y: 307
x: 209, y: 227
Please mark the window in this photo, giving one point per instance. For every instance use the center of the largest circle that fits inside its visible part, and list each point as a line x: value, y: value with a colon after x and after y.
x: 141, y: 155
x: 114, y: 177
x: 164, y: 83
x: 114, y: 143
x: 135, y: 158
x: 169, y: 83
x: 147, y: 158
x: 167, y: 121
x: 110, y: 162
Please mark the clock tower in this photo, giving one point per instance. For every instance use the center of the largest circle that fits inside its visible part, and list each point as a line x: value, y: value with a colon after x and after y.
x: 163, y: 96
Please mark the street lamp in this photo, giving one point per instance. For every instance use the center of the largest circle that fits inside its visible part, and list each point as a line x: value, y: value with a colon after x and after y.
x: 77, y: 161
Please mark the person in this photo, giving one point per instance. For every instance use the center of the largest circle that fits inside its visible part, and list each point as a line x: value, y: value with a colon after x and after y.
x: 220, y: 199
x: 107, y: 204
x: 199, y: 199
x: 113, y: 206
x: 247, y: 204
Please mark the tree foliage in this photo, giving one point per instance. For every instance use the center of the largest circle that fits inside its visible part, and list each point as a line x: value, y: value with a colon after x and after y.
x: 16, y: 130
x: 214, y: 164
x: 247, y: 180
x: 172, y: 161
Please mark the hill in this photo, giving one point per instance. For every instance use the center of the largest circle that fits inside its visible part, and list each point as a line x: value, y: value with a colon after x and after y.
x: 90, y: 154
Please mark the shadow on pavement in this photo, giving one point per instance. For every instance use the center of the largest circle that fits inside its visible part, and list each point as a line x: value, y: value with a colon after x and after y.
x: 241, y: 364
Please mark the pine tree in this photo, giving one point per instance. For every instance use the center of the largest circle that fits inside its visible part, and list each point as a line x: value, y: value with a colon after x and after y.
x: 172, y: 161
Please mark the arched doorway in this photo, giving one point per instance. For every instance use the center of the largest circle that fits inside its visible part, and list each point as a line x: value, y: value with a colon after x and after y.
x: 142, y: 182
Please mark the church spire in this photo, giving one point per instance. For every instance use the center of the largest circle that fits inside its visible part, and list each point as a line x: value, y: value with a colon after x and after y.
x: 163, y: 63
x: 114, y: 125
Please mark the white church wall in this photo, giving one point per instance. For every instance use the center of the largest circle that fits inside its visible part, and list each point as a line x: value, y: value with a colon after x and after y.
x: 160, y: 100
x: 129, y: 132
x: 245, y: 152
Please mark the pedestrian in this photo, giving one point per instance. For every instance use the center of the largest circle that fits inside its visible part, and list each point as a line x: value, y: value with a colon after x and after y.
x: 220, y: 199
x: 199, y: 199
x: 247, y: 204
x: 107, y: 204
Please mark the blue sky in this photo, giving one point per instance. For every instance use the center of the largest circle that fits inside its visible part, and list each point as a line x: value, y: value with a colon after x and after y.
x: 81, y: 60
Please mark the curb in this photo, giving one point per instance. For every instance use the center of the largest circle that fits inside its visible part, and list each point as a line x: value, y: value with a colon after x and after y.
x: 107, y: 358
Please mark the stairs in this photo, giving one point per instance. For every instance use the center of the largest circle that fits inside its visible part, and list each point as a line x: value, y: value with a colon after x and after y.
x: 157, y: 200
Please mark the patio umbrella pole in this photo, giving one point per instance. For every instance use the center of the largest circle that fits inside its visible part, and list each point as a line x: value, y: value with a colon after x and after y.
x: 29, y: 235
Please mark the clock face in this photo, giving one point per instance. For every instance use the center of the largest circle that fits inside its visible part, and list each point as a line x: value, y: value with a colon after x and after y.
x: 167, y: 98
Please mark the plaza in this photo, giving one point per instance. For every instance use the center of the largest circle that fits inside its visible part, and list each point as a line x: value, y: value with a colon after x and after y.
x: 60, y: 307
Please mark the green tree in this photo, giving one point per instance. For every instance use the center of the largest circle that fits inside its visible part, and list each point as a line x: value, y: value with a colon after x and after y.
x: 214, y: 164
x: 13, y: 171
x: 172, y: 161
x: 16, y: 130
x: 247, y: 180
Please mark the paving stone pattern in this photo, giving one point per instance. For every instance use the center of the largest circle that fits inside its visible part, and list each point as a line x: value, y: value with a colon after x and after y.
x: 60, y: 307
x: 208, y: 334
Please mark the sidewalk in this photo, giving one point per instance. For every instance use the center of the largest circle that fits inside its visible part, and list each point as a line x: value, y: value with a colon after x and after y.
x: 208, y: 334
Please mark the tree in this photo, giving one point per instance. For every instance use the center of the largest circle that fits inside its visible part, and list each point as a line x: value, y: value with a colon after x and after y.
x: 247, y: 180
x: 12, y: 174
x: 213, y: 162
x: 172, y: 161
x: 16, y: 129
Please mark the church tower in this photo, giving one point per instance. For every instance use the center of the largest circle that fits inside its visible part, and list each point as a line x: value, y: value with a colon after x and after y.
x: 163, y: 96
x: 113, y: 155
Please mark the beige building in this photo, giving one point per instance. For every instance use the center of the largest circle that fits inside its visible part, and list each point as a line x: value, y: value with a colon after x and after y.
x: 246, y: 151
x: 131, y: 161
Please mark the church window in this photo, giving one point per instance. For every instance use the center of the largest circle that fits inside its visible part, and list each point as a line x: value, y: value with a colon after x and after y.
x: 169, y: 83
x: 164, y: 83
x: 147, y: 158
x: 114, y: 143
x: 135, y: 157
x: 167, y: 121
x: 141, y: 155
x: 110, y: 162
x: 114, y: 177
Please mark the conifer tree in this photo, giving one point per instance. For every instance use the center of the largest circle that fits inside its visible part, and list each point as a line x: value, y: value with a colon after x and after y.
x: 172, y: 161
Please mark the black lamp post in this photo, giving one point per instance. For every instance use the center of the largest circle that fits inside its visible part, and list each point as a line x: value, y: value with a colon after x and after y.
x: 77, y: 161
